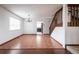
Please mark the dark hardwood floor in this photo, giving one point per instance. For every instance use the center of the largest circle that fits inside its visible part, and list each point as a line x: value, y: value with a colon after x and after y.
x: 33, y: 44
x: 34, y: 51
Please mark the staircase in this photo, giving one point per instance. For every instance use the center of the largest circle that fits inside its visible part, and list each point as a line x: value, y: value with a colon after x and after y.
x: 56, y: 21
x: 73, y: 9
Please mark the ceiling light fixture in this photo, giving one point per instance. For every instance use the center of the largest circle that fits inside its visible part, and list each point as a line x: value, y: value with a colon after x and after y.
x: 28, y: 19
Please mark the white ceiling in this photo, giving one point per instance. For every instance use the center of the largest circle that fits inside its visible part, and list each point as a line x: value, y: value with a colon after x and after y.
x: 35, y: 10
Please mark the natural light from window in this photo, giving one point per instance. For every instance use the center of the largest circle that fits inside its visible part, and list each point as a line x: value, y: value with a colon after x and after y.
x: 14, y: 24
x: 39, y: 24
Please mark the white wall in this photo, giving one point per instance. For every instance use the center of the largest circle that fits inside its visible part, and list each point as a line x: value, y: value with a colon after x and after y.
x: 5, y: 33
x: 72, y: 35
x: 59, y: 35
x: 31, y: 27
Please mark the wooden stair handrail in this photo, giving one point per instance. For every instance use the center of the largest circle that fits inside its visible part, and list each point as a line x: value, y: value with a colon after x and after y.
x: 54, y: 22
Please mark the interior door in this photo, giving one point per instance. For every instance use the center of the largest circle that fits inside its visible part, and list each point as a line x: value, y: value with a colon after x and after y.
x: 39, y: 28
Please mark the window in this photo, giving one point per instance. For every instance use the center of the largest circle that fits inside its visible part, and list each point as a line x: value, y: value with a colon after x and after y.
x: 14, y: 24
x: 39, y: 24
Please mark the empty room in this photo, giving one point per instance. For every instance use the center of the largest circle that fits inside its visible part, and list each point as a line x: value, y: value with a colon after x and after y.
x: 32, y: 29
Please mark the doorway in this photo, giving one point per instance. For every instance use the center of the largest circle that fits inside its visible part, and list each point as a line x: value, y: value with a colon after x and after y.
x: 39, y: 27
